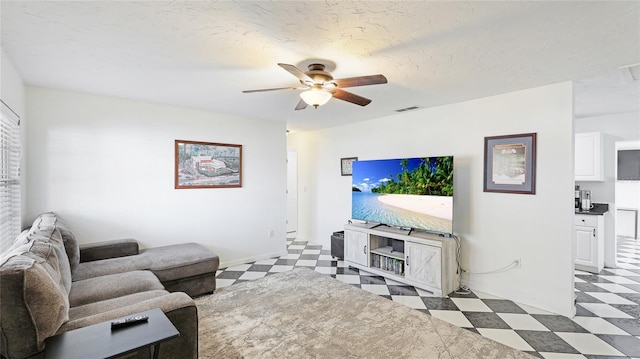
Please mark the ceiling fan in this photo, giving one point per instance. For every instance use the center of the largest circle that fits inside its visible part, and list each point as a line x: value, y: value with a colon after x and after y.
x: 320, y: 86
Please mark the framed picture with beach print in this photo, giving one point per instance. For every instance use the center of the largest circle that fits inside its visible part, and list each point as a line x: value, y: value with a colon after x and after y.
x: 510, y: 163
x: 207, y: 165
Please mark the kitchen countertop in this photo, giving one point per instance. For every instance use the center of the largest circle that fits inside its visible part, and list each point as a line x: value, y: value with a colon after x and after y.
x: 597, y: 210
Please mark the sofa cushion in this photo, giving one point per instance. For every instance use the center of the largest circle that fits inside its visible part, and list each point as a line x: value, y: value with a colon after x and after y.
x: 112, y: 286
x: 55, y: 242
x: 70, y: 243
x: 21, y: 239
x: 168, y: 263
x: 181, y: 261
x: 20, y: 245
x: 46, y: 254
x: 39, y: 229
x: 113, y: 248
x: 82, y: 311
x: 44, y: 230
x: 43, y: 225
x: 49, y: 220
x: 86, y: 270
x: 33, y: 300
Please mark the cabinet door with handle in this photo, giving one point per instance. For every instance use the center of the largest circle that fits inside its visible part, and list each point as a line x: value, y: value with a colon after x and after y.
x: 586, y: 245
x: 356, y: 247
x: 422, y: 264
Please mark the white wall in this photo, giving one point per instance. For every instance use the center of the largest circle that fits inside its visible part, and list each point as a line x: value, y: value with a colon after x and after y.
x: 12, y: 92
x: 12, y: 87
x: 495, y: 228
x: 624, y: 125
x: 106, y: 165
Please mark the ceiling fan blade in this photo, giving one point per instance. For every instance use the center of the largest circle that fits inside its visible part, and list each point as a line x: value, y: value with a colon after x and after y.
x: 275, y: 89
x: 297, y: 73
x: 301, y: 105
x: 361, y: 81
x: 351, y: 97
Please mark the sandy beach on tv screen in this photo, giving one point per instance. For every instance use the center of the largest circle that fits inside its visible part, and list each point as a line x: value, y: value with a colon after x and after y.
x: 436, y: 206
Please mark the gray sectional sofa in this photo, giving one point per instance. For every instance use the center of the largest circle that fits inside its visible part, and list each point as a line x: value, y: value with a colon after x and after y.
x: 49, y: 285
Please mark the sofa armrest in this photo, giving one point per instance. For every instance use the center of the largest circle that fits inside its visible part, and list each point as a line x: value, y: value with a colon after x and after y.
x: 108, y: 249
x: 168, y: 303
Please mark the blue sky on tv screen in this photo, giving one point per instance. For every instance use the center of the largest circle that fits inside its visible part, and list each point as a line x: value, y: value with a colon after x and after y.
x: 369, y: 174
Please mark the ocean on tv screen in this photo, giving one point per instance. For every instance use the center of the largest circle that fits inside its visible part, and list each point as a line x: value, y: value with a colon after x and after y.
x: 412, y: 192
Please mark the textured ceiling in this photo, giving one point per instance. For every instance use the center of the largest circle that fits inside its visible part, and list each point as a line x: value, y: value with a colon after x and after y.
x: 203, y: 54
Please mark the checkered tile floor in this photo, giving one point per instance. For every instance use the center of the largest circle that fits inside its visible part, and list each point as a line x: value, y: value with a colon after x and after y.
x: 607, y: 323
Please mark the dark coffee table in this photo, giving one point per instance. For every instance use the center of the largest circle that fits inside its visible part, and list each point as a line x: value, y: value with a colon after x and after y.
x: 99, y: 341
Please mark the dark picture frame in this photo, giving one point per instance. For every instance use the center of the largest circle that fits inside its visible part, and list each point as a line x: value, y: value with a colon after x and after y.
x: 346, y: 165
x: 207, y: 165
x: 510, y: 163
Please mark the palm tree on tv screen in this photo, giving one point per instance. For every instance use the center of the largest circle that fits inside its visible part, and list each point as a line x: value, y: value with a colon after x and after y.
x: 433, y: 176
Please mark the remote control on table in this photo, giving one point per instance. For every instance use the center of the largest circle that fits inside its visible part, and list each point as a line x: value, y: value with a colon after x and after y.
x: 121, y: 323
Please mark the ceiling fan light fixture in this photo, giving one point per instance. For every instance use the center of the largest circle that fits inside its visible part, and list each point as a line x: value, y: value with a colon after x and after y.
x: 320, y: 86
x: 315, y: 96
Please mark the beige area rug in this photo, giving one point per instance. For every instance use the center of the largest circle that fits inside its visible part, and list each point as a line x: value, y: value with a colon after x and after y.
x: 304, y: 314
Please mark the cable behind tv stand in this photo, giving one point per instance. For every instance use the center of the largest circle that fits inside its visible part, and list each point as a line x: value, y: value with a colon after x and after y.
x: 424, y: 260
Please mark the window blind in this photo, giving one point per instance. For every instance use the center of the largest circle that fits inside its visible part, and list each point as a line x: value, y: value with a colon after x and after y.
x: 10, y: 151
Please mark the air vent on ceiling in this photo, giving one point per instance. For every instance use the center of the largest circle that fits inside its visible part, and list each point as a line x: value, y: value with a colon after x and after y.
x: 411, y: 108
x: 630, y: 73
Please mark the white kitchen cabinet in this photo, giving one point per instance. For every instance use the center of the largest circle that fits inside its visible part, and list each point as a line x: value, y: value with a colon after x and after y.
x: 589, y: 232
x: 588, y: 156
x: 424, y: 260
x: 356, y: 247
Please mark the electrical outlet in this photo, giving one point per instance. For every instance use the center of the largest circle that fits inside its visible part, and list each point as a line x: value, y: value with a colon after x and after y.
x: 272, y: 233
x: 518, y: 263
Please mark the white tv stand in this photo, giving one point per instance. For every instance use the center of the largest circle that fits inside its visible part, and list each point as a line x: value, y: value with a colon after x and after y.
x: 424, y: 260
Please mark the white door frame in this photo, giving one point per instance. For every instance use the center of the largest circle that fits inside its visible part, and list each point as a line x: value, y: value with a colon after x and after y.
x: 292, y: 191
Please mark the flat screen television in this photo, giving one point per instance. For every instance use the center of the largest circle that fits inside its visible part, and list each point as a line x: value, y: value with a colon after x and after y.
x: 413, y: 193
x: 628, y: 165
